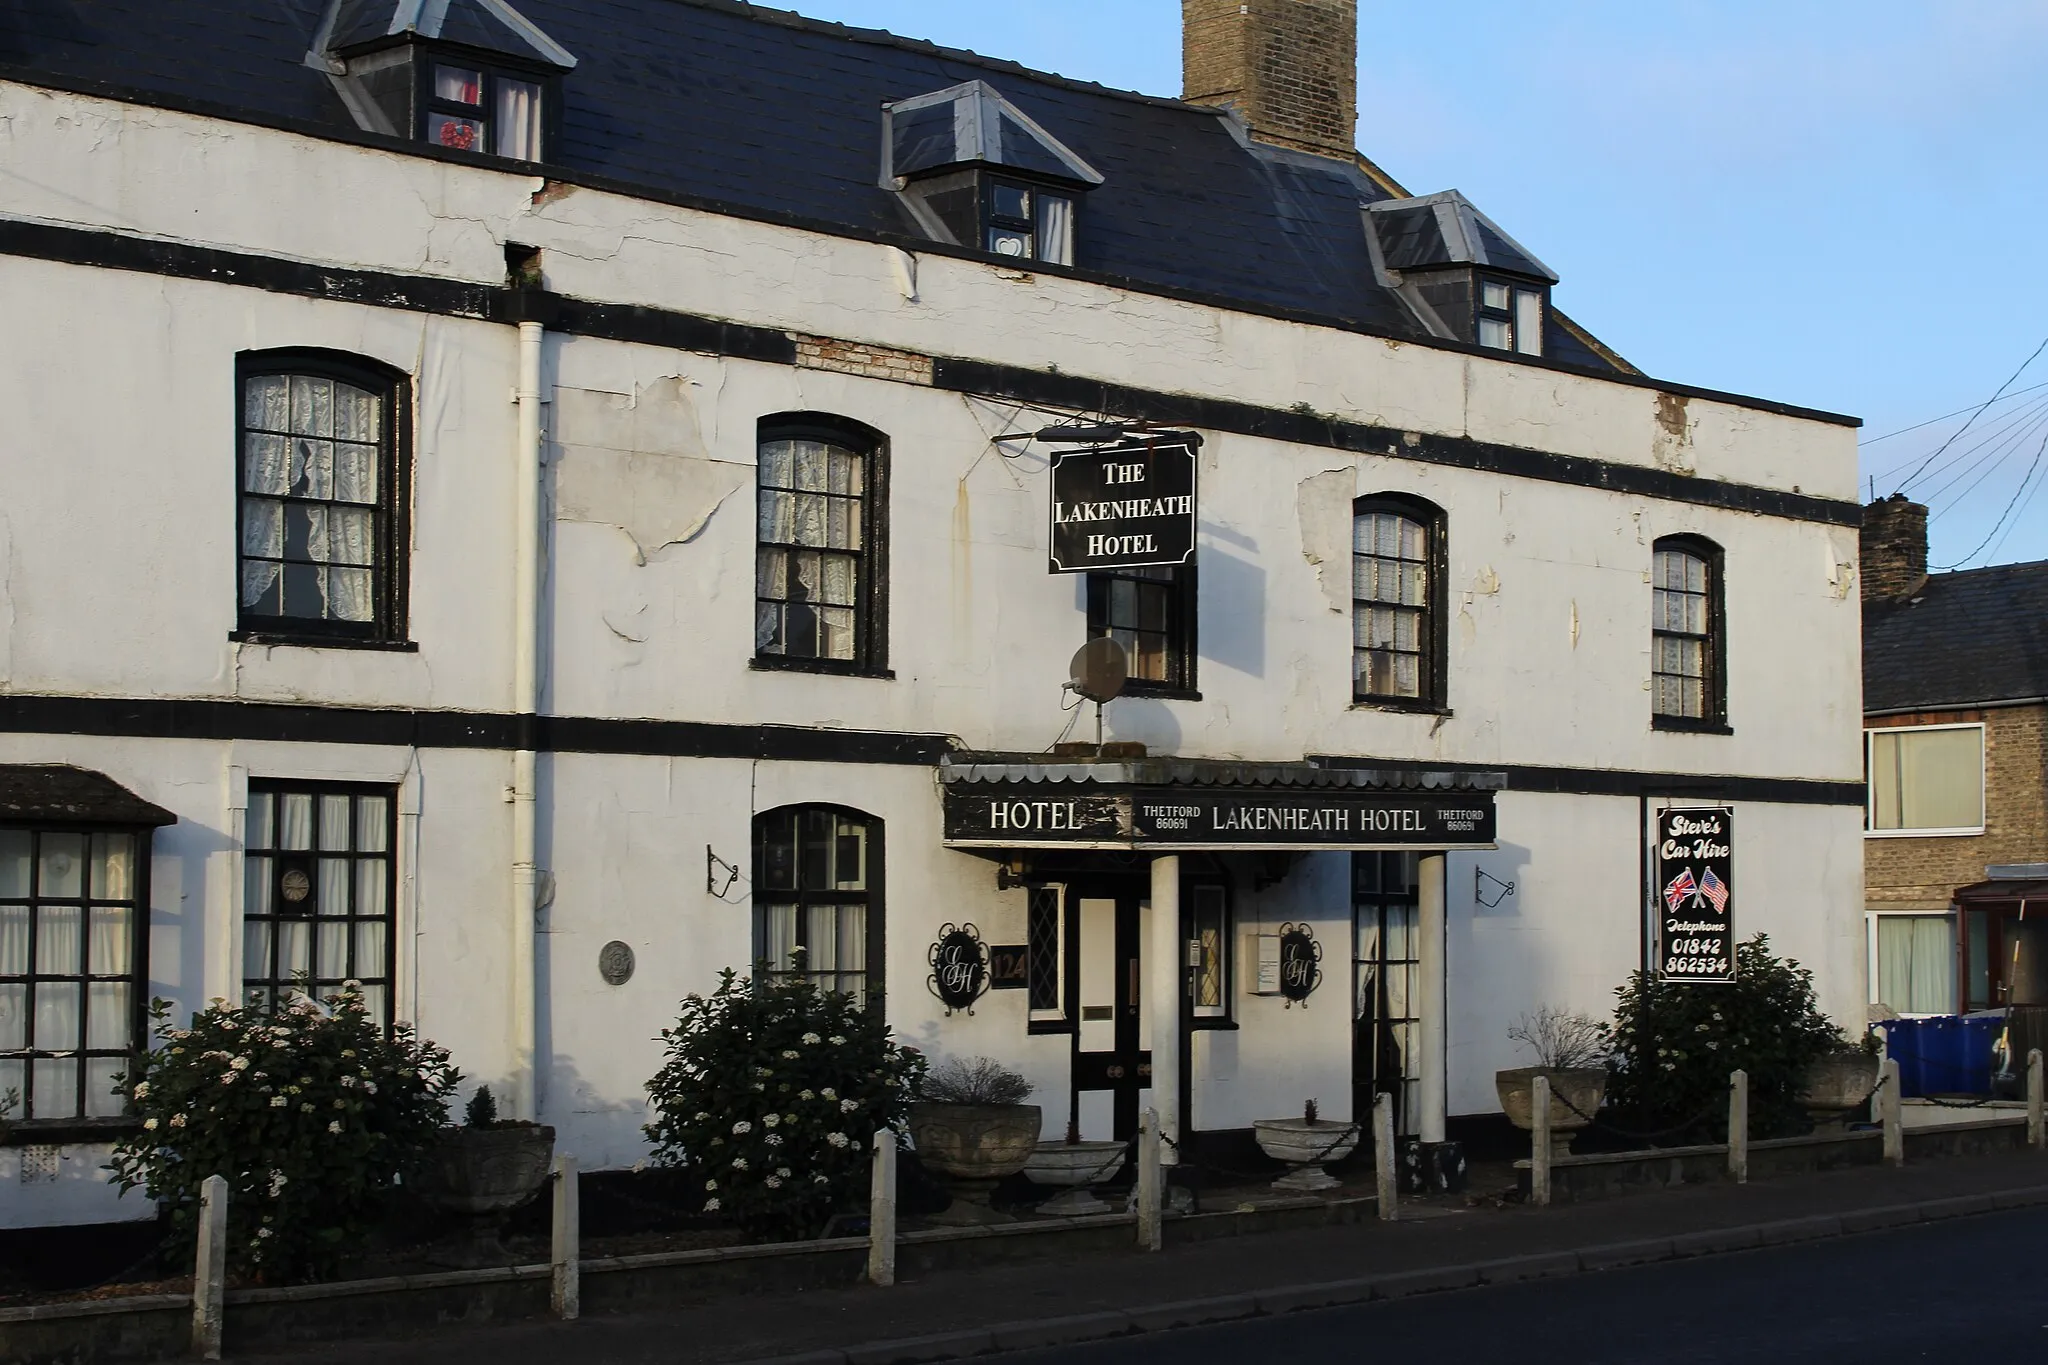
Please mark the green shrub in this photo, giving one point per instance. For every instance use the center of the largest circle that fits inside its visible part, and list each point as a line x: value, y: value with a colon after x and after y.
x: 769, y: 1099
x: 1675, y: 1045
x: 311, y: 1114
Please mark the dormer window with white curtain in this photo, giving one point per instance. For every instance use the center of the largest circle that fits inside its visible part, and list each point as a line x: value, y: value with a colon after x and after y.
x: 973, y: 170
x: 464, y: 75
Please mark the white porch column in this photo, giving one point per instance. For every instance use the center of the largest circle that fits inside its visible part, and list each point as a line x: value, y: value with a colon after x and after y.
x: 1164, y: 955
x: 1430, y: 967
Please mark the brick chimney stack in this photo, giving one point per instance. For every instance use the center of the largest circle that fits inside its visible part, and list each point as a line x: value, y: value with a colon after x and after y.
x: 1290, y: 67
x: 1893, y: 549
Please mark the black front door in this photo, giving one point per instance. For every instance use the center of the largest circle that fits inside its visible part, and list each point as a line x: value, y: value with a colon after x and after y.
x: 1109, y: 1055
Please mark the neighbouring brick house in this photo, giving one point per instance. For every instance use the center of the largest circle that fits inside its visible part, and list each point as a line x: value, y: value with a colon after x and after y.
x: 1955, y: 700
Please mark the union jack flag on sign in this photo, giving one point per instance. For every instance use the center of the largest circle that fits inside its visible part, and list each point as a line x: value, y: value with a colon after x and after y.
x: 1682, y: 886
x: 1715, y: 890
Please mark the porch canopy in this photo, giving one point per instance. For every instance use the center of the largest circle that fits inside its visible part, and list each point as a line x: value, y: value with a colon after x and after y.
x: 2003, y: 895
x: 1167, y: 805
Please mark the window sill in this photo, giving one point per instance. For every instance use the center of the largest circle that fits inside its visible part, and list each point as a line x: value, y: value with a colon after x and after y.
x: 1683, y: 726
x: 1218, y: 1025
x: 1923, y: 834
x: 68, y: 1132
x: 1049, y: 1026
x: 839, y: 668
x: 1413, y: 708
x: 275, y: 637
x: 1160, y: 691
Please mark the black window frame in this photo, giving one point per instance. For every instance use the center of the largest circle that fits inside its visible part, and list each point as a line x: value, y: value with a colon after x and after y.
x: 1715, y: 651
x: 1032, y: 225
x: 871, y: 604
x: 874, y: 975
x: 1051, y: 921
x: 284, y: 861
x: 492, y: 67
x: 1434, y: 637
x: 1510, y: 315
x: 1183, y: 621
x: 25, y: 1127
x: 392, y: 540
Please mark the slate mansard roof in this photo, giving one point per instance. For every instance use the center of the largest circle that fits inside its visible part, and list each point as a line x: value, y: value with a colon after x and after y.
x: 1962, y: 639
x: 766, y: 114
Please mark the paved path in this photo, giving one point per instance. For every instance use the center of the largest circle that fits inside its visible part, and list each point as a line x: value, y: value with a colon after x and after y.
x: 1970, y: 1289
x: 754, y: 1327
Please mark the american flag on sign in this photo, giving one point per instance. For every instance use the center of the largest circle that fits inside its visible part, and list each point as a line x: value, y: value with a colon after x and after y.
x: 1681, y: 886
x: 1715, y: 890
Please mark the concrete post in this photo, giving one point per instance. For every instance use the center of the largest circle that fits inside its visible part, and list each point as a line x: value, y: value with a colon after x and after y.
x: 1150, y: 1178
x: 2037, y: 1133
x: 210, y: 1269
x: 1888, y: 1107
x: 1383, y: 1157
x: 565, y: 1295
x: 1539, y: 1142
x: 1738, y: 1126
x: 882, y: 1212
x: 1165, y: 971
x: 1430, y: 891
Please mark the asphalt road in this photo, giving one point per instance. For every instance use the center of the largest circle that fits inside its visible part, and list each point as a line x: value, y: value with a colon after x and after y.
x: 1963, y: 1290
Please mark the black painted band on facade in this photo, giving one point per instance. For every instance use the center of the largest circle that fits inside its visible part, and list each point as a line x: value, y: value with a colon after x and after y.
x: 279, y: 722
x: 690, y: 332
x: 753, y: 213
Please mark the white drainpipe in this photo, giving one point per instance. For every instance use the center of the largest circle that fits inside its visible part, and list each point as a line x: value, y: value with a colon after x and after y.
x: 525, y: 703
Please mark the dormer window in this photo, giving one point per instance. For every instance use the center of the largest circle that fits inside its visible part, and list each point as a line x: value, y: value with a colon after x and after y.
x: 468, y: 75
x: 972, y: 169
x: 1462, y: 276
x: 477, y: 109
x: 1510, y: 317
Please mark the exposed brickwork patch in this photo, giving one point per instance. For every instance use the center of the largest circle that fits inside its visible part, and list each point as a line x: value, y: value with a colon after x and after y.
x: 872, y: 362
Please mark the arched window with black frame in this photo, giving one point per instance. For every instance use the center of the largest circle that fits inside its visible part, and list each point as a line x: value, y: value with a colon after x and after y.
x: 818, y: 892
x: 1397, y: 577
x: 1688, y: 650
x: 821, y: 564
x: 321, y: 461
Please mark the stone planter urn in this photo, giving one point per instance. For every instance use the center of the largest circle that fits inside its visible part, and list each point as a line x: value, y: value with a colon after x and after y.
x: 975, y: 1146
x: 1839, y: 1082
x: 1305, y: 1145
x: 1072, y: 1167
x: 483, y: 1174
x: 1574, y: 1092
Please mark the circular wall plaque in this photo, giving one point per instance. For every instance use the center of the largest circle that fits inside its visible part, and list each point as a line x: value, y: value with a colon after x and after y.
x: 615, y: 963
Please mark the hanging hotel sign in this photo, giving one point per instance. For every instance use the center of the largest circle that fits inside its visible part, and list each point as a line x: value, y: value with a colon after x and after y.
x: 1124, y: 506
x: 1696, y: 895
x: 1026, y: 814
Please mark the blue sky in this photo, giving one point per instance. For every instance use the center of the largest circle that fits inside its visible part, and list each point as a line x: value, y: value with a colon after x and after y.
x: 1826, y: 202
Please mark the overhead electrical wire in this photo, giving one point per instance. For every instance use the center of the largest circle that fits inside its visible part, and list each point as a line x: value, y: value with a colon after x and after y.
x: 1998, y: 446
x: 1873, y: 440
x: 1908, y: 480
x: 2016, y: 520
x: 1999, y: 525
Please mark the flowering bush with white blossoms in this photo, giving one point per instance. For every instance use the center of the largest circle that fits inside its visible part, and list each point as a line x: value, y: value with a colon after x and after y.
x: 770, y: 1097
x: 311, y: 1113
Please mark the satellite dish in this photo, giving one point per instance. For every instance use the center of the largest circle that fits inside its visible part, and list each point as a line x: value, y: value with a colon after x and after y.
x: 1099, y: 670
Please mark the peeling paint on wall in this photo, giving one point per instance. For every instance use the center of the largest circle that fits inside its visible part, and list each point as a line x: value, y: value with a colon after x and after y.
x: 638, y: 462
x: 1323, y: 502
x: 1672, y: 448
